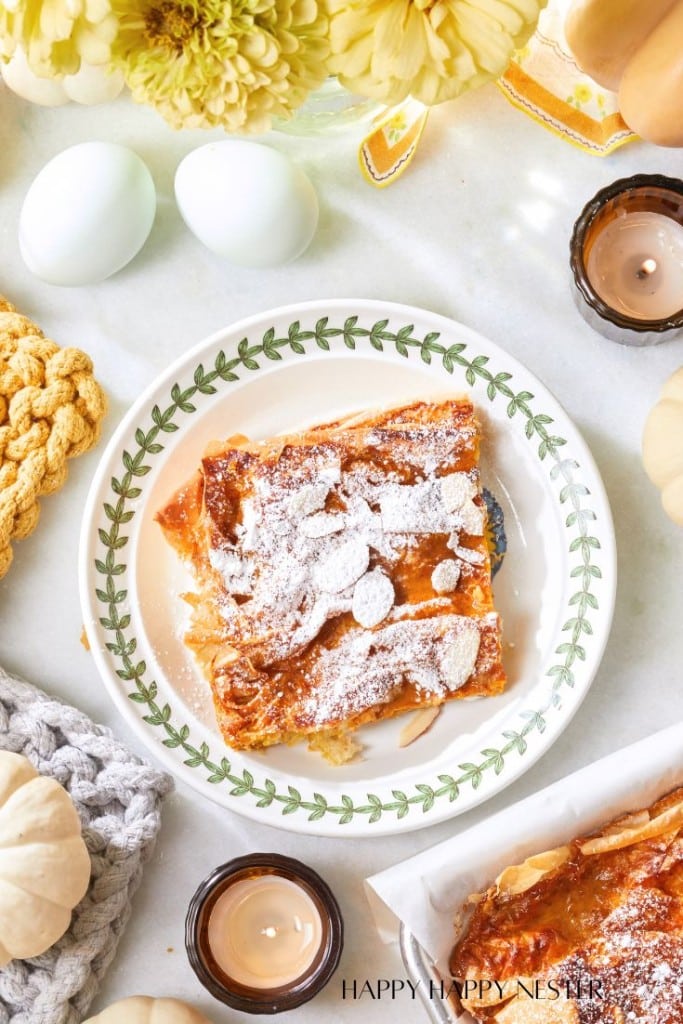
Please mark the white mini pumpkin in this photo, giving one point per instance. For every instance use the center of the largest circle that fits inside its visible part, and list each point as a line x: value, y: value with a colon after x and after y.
x: 92, y: 84
x: 147, y: 1010
x: 44, y: 863
x: 663, y: 446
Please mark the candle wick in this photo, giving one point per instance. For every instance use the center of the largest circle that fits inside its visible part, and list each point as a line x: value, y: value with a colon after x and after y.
x: 647, y: 267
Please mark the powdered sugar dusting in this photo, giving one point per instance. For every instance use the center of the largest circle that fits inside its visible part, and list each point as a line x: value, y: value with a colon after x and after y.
x: 342, y: 566
x: 368, y: 666
x: 318, y: 537
x: 626, y: 919
x: 445, y: 576
x: 638, y: 966
x: 373, y: 599
x: 460, y: 655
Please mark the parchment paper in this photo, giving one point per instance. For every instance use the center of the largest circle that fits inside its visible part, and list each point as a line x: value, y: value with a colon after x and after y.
x: 427, y: 891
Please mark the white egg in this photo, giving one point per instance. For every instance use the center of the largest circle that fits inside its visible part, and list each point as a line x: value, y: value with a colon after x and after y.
x: 247, y: 202
x: 87, y: 214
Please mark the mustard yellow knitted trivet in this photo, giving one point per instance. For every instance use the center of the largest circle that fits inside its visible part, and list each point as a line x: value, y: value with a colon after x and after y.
x: 51, y: 408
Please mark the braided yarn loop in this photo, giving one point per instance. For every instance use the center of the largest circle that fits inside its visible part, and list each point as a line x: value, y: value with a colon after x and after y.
x: 118, y: 798
x: 51, y: 409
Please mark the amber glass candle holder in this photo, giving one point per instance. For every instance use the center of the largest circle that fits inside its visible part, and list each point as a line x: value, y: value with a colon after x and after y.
x: 626, y: 257
x: 264, y: 933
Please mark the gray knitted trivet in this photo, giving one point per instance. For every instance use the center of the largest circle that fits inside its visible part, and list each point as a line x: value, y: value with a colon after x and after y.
x: 118, y: 798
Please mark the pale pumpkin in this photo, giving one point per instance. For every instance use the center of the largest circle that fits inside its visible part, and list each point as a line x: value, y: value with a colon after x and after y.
x: 44, y: 863
x: 634, y: 48
x: 147, y: 1010
x: 90, y: 85
x: 663, y: 446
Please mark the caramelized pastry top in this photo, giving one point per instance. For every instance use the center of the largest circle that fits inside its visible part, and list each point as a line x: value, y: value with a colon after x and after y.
x: 606, y: 909
x: 344, y: 572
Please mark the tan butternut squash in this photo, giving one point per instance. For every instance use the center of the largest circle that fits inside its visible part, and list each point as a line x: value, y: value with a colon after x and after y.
x: 635, y: 48
x: 663, y: 446
x: 651, y: 90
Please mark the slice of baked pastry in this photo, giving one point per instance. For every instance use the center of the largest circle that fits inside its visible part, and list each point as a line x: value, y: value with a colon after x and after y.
x: 589, y: 933
x: 342, y: 575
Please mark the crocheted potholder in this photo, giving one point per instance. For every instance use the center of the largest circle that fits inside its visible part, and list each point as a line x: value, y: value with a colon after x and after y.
x: 118, y: 798
x: 51, y: 408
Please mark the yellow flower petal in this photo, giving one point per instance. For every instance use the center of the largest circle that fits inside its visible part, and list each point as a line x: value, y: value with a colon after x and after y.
x: 204, y: 63
x: 52, y: 32
x: 430, y: 49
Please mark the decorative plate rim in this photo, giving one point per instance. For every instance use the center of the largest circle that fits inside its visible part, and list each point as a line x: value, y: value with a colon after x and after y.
x: 109, y: 632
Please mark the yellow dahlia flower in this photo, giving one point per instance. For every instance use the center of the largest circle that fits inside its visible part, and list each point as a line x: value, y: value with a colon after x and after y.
x: 206, y: 63
x: 56, y: 34
x: 429, y: 49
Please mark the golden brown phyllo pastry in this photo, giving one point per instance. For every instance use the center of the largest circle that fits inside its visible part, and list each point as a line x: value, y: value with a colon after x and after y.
x: 589, y: 933
x: 343, y: 575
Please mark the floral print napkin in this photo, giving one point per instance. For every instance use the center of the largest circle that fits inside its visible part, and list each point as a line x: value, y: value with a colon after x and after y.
x: 545, y: 82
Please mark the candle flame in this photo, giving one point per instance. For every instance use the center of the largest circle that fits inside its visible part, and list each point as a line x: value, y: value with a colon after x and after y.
x: 647, y: 267
x: 270, y: 932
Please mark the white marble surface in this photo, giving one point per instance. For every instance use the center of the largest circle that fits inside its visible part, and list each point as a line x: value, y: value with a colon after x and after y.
x: 477, y: 229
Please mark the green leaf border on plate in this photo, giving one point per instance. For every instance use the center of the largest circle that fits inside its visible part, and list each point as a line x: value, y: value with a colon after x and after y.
x: 126, y: 490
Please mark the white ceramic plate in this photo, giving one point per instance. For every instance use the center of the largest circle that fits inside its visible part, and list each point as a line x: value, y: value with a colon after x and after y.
x: 303, y: 364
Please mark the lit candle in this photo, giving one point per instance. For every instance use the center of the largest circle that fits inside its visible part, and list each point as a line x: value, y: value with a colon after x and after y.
x: 264, y: 933
x: 627, y: 259
x: 636, y: 265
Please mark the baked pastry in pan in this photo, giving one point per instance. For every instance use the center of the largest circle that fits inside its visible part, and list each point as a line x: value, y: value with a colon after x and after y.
x: 342, y: 575
x: 589, y: 933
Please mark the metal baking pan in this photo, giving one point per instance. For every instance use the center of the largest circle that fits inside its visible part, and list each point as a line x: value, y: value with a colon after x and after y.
x: 433, y: 989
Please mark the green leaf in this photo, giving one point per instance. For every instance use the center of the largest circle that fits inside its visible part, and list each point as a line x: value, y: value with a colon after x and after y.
x: 517, y: 740
x: 451, y: 787
x: 472, y: 773
x: 428, y: 795
x: 564, y: 467
x: 535, y: 719
x: 495, y: 758
x: 584, y: 542
x: 430, y: 342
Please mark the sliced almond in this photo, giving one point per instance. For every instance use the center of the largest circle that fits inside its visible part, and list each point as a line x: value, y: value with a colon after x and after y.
x: 308, y: 499
x: 321, y: 524
x: 342, y: 566
x: 445, y: 576
x: 417, y: 724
